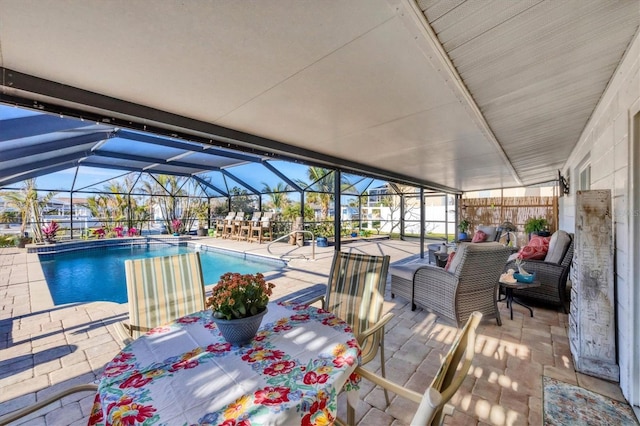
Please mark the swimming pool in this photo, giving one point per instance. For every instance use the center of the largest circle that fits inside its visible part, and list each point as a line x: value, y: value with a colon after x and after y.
x: 98, y: 275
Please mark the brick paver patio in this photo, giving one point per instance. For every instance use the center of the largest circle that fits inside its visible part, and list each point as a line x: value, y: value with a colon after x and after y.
x: 44, y: 348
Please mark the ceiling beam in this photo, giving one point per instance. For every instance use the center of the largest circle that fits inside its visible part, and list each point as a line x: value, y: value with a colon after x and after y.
x: 210, y: 185
x: 35, y: 125
x: 131, y: 169
x: 36, y: 172
x: 184, y: 145
x: 159, y: 140
x: 51, y: 146
x: 240, y: 181
x: 145, y: 159
x: 45, y: 163
x: 94, y: 184
x: 231, y: 154
x: 282, y: 176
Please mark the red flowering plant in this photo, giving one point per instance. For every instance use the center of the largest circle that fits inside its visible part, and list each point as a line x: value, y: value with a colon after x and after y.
x: 49, y: 231
x: 100, y: 232
x: 175, y: 225
x: 132, y: 232
x: 118, y: 230
x: 239, y: 295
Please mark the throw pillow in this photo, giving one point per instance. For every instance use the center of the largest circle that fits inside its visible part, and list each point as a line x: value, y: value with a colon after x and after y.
x: 536, y: 249
x: 449, y: 259
x: 479, y: 237
x: 558, y: 246
x: 457, y: 259
x: 491, y: 232
x: 538, y: 241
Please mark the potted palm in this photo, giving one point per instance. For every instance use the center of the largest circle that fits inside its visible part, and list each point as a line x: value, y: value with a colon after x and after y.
x: 202, y: 215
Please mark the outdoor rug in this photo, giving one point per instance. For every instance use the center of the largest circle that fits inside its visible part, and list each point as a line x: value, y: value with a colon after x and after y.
x: 566, y: 404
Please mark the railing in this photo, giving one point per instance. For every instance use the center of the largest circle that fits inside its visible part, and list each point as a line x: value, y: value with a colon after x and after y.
x: 294, y: 233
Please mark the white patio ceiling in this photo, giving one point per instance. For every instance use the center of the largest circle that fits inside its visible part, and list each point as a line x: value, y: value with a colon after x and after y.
x: 469, y: 95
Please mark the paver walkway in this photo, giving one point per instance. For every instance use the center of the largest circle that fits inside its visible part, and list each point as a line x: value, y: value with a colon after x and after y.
x: 44, y: 348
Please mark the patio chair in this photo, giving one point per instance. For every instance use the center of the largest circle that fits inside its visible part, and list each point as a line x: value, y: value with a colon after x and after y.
x: 18, y: 414
x: 470, y: 283
x: 162, y: 289
x: 355, y: 293
x: 433, y: 403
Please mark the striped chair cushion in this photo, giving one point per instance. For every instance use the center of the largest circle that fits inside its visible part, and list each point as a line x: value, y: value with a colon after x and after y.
x: 162, y: 289
x: 356, y: 293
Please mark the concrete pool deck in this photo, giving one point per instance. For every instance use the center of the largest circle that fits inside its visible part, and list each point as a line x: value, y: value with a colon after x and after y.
x: 46, y: 348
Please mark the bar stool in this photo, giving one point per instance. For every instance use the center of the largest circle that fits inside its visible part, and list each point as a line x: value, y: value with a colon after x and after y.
x: 261, y: 231
x: 245, y: 230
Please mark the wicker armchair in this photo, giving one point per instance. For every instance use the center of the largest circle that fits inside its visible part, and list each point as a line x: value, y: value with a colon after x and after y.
x: 552, y: 272
x: 469, y: 285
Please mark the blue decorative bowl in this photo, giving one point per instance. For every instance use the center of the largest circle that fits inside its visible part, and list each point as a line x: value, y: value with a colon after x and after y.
x: 524, y: 278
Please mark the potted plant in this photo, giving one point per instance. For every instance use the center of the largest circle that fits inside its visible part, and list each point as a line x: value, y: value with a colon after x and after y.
x: 49, y: 232
x: 118, y: 231
x: 322, y: 241
x: 463, y: 226
x: 22, y: 241
x: 201, y: 231
x: 538, y: 226
x: 202, y: 215
x: 238, y: 303
x: 321, y: 233
x: 175, y: 225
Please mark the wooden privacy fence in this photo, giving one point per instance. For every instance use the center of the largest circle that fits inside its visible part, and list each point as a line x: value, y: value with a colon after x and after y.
x: 495, y: 210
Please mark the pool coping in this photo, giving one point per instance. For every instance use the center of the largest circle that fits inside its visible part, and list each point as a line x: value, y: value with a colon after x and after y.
x: 66, y: 246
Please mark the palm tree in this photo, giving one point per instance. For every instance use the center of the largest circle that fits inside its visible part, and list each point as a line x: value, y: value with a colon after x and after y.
x: 324, y: 182
x: 30, y: 206
x: 277, y: 194
x: 168, y: 192
x: 99, y: 208
x: 117, y: 202
x: 162, y: 191
x: 19, y: 201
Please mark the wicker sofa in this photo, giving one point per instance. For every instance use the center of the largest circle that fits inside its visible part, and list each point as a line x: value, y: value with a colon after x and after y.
x: 552, y: 272
x: 469, y: 285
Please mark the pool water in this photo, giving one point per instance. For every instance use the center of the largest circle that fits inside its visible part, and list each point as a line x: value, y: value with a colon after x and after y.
x: 98, y: 275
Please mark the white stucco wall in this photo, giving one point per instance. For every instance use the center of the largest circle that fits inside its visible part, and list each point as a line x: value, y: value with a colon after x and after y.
x: 607, y: 141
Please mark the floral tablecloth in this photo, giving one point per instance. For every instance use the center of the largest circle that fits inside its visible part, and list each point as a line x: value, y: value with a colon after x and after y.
x: 186, y: 373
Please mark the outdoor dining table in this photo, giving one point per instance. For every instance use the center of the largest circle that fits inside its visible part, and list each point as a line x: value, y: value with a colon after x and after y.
x: 186, y: 373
